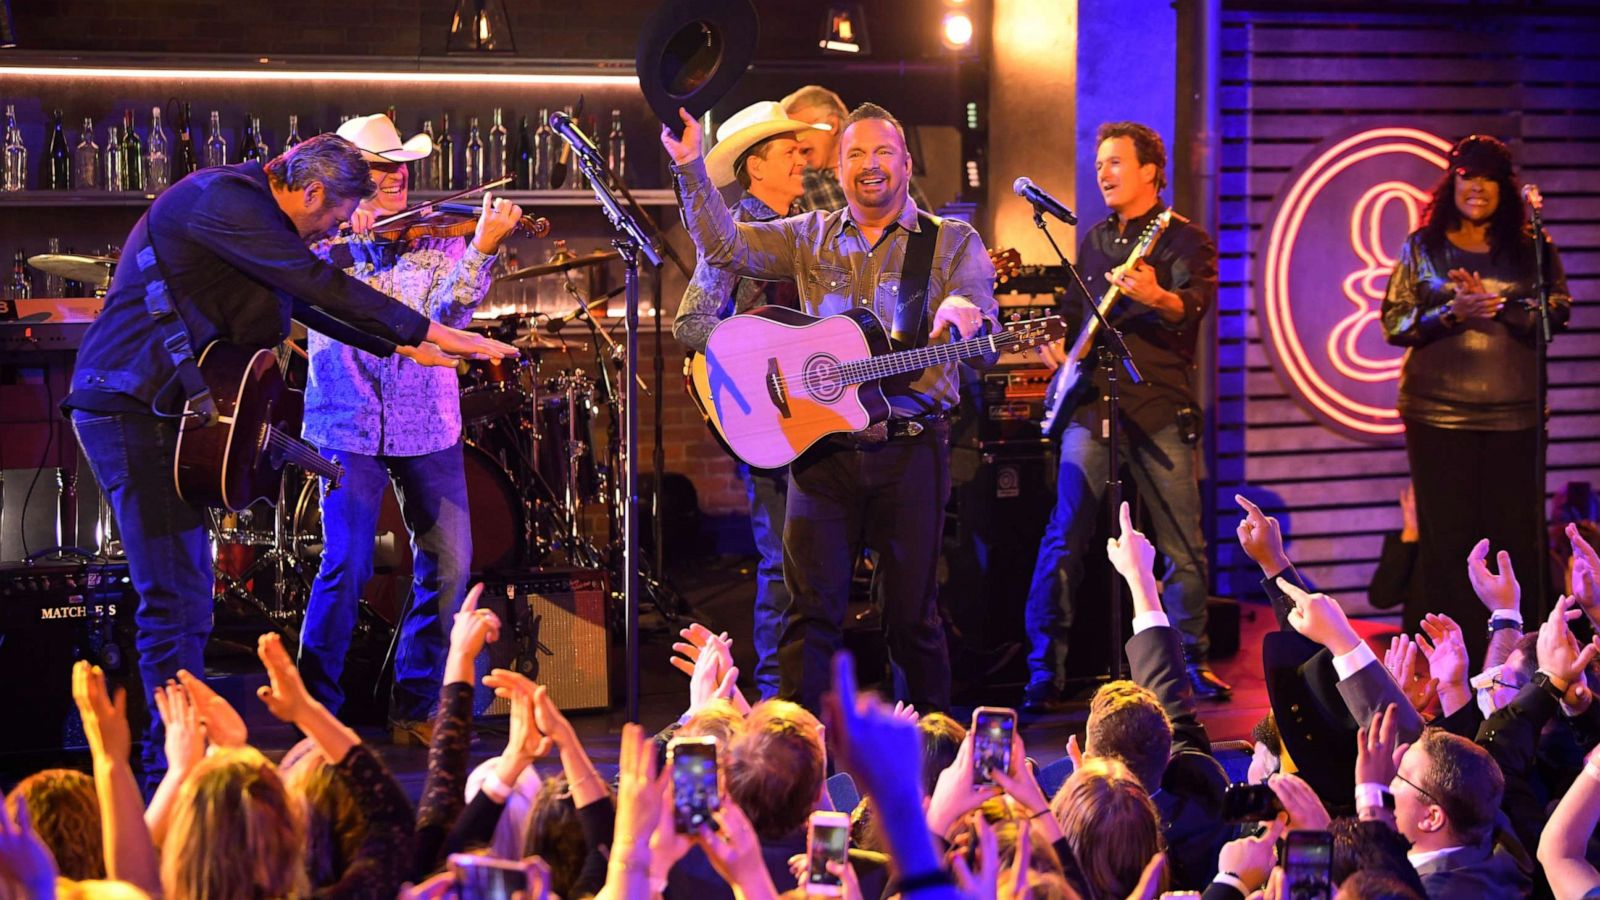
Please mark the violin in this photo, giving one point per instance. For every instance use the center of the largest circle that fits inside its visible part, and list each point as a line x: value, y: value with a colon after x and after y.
x: 451, y: 220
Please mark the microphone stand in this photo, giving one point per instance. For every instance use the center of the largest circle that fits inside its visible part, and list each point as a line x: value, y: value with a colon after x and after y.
x: 1541, y: 437
x: 632, y: 242
x: 1112, y: 351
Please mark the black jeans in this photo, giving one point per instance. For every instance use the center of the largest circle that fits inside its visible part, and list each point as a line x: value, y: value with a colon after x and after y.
x: 891, y: 498
x: 1472, y: 485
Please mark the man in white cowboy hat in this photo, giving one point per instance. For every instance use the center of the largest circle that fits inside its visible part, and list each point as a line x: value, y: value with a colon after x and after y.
x: 393, y: 420
x: 759, y: 148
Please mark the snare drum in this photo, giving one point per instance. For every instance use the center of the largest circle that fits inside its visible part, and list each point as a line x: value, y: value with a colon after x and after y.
x: 496, y: 387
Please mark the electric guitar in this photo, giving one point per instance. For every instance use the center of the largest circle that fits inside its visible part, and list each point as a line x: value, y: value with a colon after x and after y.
x: 1068, y: 387
x: 238, y: 460
x: 774, y: 381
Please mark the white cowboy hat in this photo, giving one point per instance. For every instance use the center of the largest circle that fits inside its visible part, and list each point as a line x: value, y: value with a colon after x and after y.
x: 378, y: 141
x: 743, y: 130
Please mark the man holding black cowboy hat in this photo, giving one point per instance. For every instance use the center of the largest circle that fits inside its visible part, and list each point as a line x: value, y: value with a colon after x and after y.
x: 758, y: 148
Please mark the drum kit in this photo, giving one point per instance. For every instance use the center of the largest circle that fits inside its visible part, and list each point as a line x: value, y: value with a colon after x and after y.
x: 541, y: 443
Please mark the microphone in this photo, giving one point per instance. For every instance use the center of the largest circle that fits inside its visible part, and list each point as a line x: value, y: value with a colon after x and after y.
x: 1532, y: 197
x: 1043, y: 202
x: 562, y: 124
x: 554, y: 324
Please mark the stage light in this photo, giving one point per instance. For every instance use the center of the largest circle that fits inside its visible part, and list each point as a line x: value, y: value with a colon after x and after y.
x: 480, y: 26
x: 361, y: 76
x: 844, y: 30
x: 957, y: 30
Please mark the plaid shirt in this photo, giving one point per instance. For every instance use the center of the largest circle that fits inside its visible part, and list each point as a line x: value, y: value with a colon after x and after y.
x: 394, y: 406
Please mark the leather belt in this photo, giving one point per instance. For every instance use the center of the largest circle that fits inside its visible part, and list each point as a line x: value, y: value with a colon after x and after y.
x: 896, y: 428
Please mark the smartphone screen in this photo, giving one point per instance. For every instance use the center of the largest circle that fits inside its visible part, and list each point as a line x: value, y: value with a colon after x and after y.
x: 694, y: 783
x: 1308, y: 865
x: 992, y: 730
x: 829, y: 841
x: 1250, y: 803
x: 482, y: 878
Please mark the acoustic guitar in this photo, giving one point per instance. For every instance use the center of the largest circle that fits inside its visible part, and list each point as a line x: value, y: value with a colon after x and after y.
x: 238, y: 460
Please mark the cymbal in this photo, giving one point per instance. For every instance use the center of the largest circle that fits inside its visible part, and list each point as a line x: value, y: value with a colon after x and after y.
x: 533, y: 340
x: 91, y: 270
x: 552, y: 268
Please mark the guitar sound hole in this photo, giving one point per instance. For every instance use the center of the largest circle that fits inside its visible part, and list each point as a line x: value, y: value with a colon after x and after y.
x: 822, y: 379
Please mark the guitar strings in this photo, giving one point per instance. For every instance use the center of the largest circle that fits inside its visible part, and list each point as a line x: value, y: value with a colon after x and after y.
x: 858, y: 371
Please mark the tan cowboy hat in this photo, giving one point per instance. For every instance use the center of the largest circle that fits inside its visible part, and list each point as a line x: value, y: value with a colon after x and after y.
x: 743, y: 130
x: 378, y: 141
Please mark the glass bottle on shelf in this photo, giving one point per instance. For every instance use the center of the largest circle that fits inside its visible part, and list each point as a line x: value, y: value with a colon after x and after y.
x: 157, y: 162
x: 617, y: 149
x: 216, y: 145
x: 20, y: 286
x: 86, y: 159
x: 543, y: 155
x: 58, y: 159
x: 447, y: 157
x: 15, y: 174
x: 522, y: 165
x: 422, y: 171
x: 54, y: 285
x: 116, y: 179
x: 263, y: 152
x: 187, y: 159
x: 294, y: 133
x: 472, y: 162
x: 133, y: 178
x: 248, y: 145
x: 497, y: 147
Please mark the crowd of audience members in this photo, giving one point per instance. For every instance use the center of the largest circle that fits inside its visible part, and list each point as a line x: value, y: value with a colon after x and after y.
x: 1437, y: 776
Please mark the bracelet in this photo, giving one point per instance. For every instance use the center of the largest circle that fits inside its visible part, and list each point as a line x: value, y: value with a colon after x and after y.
x: 1502, y: 623
x: 932, y: 879
x: 1371, y: 795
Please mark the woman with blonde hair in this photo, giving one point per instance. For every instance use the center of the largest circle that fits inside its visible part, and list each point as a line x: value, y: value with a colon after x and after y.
x: 1112, y: 826
x: 235, y: 832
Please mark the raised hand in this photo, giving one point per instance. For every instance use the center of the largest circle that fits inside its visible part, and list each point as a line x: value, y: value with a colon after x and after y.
x: 469, y: 631
x: 186, y: 736
x: 868, y: 739
x: 694, y: 640
x: 1445, y: 647
x: 1305, y: 809
x: 1022, y: 786
x: 1261, y: 538
x: 1320, y: 618
x: 714, y: 676
x: 685, y: 149
x: 285, y: 694
x: 1131, y: 552
x: 547, y: 717
x: 907, y: 711
x: 25, y: 860
x: 641, y: 791
x: 1559, y: 653
x: 224, y: 726
x: 1378, y: 749
x: 735, y: 852
x: 1497, y: 590
x: 1251, y: 858
x: 1403, y: 660
x: 105, y: 719
x: 468, y: 344
x: 955, y: 794
x: 1585, y: 574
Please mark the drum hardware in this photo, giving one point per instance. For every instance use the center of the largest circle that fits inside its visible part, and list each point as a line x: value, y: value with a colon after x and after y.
x: 599, y: 257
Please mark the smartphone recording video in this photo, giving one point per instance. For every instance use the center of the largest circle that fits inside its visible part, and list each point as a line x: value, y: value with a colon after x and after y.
x: 827, y: 841
x: 696, y: 783
x: 992, y: 730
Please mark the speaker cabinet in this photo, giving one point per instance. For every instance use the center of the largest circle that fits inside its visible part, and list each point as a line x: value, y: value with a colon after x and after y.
x: 554, y: 631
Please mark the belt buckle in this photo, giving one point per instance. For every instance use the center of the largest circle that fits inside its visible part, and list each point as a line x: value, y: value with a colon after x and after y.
x: 913, y: 428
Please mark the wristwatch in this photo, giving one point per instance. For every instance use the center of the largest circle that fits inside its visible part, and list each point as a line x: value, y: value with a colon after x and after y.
x: 1501, y: 623
x: 1550, y: 684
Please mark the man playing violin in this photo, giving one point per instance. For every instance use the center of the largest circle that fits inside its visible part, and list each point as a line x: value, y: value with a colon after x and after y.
x: 393, y: 420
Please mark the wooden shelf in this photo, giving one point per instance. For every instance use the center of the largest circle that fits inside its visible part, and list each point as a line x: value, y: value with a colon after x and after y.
x: 529, y: 200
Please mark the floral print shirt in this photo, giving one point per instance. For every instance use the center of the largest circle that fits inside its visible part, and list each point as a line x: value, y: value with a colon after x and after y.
x: 394, y: 406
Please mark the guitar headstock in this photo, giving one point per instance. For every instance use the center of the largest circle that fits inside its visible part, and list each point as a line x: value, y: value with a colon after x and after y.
x: 1007, y: 263
x: 1151, y: 233
x: 1023, y: 334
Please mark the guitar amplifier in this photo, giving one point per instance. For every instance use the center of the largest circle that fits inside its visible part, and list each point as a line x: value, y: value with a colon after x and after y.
x: 51, y: 616
x: 1011, y: 405
x: 554, y: 631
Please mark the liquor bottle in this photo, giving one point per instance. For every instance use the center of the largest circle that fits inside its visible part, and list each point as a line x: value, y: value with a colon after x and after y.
x: 617, y: 149
x: 15, y: 175
x: 54, y: 285
x: 133, y: 177
x: 21, y: 286
x: 247, y: 142
x: 188, y: 160
x: 294, y: 133
x: 472, y: 162
x: 544, y: 148
x: 263, y: 152
x: 522, y: 171
x: 116, y: 179
x: 158, y: 163
x: 447, y: 157
x: 216, y: 145
x: 86, y: 159
x: 497, y: 148
x: 422, y: 171
x: 58, y: 162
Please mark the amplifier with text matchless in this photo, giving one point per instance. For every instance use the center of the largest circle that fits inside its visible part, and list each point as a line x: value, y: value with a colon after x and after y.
x: 554, y: 631
x: 51, y: 616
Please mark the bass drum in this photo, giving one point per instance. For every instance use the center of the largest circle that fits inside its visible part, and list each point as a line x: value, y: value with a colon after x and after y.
x: 497, y: 533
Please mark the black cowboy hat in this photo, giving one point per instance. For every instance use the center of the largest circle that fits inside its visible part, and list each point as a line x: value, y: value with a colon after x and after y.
x: 692, y: 52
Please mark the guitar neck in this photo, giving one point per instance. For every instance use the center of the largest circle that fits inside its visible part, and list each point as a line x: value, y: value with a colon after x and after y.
x: 863, y: 370
x: 295, y: 451
x: 1091, y: 327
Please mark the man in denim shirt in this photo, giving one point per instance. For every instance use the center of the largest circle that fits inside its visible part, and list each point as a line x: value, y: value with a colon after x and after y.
x: 389, y: 419
x: 890, y: 493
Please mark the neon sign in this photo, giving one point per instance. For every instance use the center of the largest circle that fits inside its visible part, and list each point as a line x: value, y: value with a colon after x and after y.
x: 1331, y: 244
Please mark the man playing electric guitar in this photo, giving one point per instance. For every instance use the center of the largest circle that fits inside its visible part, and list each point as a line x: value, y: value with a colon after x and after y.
x: 886, y: 486
x: 1163, y: 300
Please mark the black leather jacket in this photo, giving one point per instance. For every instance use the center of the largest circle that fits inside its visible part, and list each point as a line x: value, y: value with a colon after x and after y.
x: 1481, y: 373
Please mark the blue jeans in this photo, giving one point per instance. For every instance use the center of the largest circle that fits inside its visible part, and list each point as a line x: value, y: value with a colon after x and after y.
x: 168, y: 550
x: 1163, y: 467
x: 767, y: 490
x: 432, y: 490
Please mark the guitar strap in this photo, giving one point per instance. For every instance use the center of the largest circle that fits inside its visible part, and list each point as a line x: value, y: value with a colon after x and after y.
x: 910, y: 327
x: 175, y: 335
